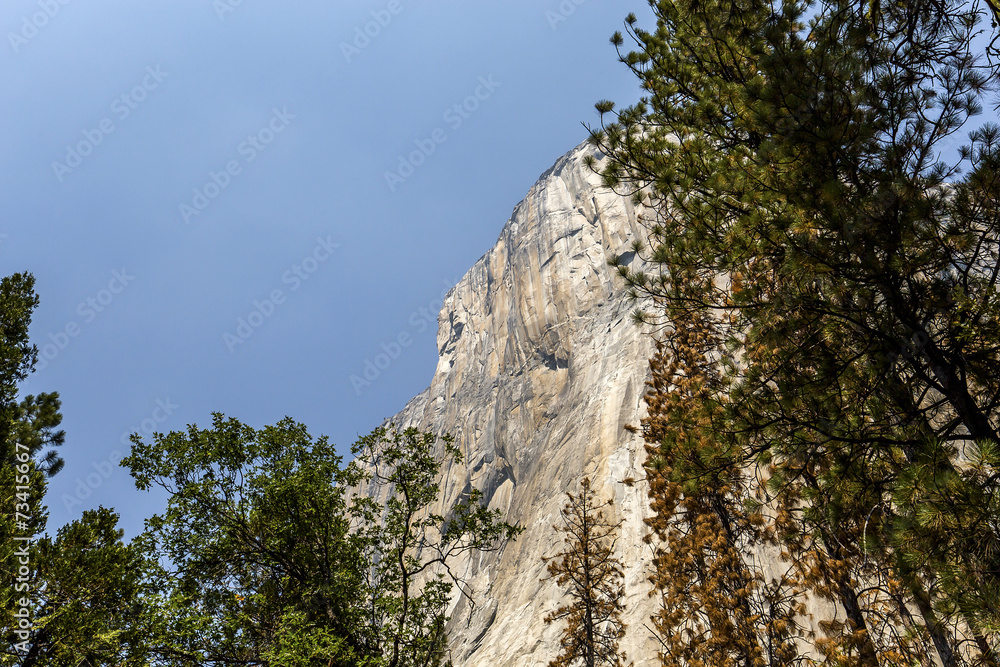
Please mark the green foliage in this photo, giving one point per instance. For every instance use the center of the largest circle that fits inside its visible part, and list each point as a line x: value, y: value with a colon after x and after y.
x: 17, y: 356
x: 32, y: 421
x: 90, y: 605
x: 406, y: 541
x: 276, y: 558
x: 26, y: 431
x: 78, y: 596
x: 255, y: 529
x: 947, y: 524
x: 301, y: 643
x: 841, y: 274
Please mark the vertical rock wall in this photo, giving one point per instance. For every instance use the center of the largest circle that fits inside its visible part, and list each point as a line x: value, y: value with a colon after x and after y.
x: 540, y: 369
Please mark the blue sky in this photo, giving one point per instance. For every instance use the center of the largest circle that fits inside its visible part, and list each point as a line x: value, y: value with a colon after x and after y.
x: 201, y: 190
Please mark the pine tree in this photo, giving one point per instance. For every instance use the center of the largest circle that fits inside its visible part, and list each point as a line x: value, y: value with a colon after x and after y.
x: 75, y: 598
x: 719, y: 605
x: 592, y: 577
x: 790, y: 156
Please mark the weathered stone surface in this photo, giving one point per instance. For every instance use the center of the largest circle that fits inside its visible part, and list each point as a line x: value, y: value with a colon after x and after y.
x: 540, y: 369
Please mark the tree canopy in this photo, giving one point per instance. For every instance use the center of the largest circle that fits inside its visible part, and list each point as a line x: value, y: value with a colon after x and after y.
x: 821, y: 259
x: 274, y: 557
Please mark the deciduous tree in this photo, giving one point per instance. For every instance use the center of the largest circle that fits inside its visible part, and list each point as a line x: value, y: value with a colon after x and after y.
x: 277, y: 559
x: 408, y: 549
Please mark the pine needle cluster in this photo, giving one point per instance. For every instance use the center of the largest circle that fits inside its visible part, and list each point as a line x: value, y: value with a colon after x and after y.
x: 821, y: 263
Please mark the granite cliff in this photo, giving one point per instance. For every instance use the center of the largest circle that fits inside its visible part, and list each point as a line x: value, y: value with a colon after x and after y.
x: 540, y: 369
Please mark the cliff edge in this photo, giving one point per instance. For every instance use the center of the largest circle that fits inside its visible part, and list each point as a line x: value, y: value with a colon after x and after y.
x: 540, y: 368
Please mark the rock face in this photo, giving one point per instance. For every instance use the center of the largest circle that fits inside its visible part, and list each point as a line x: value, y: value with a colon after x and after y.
x: 540, y: 369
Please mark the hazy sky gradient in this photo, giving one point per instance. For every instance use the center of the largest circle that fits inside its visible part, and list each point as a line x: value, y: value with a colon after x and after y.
x: 138, y: 294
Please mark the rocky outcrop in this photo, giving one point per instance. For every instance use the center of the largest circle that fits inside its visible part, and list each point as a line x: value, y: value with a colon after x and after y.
x: 540, y: 370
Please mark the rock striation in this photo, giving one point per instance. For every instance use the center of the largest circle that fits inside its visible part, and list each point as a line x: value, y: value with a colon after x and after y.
x: 540, y: 370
